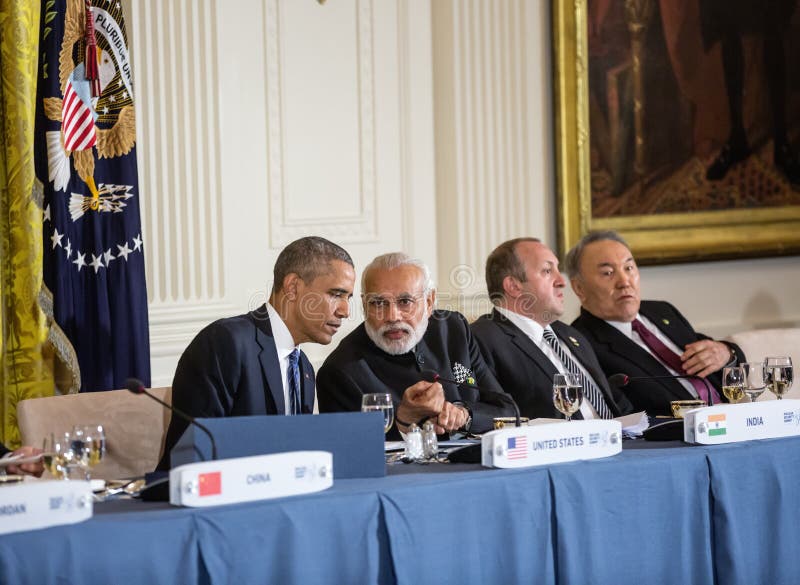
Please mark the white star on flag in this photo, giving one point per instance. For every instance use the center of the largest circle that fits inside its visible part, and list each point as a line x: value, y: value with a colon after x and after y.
x: 108, y: 257
x: 137, y: 243
x: 68, y: 249
x: 124, y: 251
x: 56, y: 238
x: 47, y: 213
x: 81, y: 261
x: 96, y: 263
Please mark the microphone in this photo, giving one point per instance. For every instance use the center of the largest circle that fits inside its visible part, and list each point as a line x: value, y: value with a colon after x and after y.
x: 431, y: 376
x: 622, y: 380
x: 137, y: 387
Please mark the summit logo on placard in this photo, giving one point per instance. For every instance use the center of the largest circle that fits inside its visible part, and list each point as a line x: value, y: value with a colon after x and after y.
x: 791, y: 417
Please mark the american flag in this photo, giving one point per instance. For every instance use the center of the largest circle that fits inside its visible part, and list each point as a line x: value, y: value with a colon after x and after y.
x: 85, y: 158
x: 77, y: 118
x: 517, y: 447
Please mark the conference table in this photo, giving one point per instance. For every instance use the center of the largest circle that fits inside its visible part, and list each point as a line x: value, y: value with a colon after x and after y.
x: 656, y: 513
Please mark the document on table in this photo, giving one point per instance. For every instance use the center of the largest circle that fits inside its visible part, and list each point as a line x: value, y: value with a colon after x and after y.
x: 392, y: 446
x: 633, y: 425
x: 9, y: 459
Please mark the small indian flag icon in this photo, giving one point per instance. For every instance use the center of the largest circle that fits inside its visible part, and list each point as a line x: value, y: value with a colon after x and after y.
x: 716, y: 425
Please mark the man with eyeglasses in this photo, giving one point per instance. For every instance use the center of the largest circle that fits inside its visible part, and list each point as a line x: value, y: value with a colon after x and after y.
x: 402, y: 342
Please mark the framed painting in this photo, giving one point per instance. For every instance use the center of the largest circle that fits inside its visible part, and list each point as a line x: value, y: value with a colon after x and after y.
x: 677, y: 124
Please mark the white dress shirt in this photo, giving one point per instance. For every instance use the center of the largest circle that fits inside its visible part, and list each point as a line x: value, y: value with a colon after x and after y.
x: 627, y: 330
x: 284, y: 343
x: 535, y: 333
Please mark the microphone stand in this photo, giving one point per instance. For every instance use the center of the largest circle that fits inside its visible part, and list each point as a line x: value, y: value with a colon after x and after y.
x: 138, y: 388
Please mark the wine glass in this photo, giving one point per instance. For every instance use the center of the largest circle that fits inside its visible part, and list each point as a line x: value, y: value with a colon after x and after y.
x: 779, y: 375
x: 380, y: 402
x: 94, y: 443
x: 95, y: 437
x: 58, y: 456
x: 81, y: 451
x: 50, y: 458
x: 733, y: 383
x: 567, y: 394
x: 754, y: 379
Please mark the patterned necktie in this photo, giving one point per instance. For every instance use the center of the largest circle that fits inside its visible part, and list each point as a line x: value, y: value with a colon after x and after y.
x: 294, y: 382
x: 590, y: 389
x: 673, y: 360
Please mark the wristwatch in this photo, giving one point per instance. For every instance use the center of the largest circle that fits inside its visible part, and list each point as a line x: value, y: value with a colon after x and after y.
x: 733, y: 359
x: 468, y: 424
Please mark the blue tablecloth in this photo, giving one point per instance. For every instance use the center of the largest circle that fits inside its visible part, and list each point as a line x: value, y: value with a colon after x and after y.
x: 756, y: 515
x: 724, y: 514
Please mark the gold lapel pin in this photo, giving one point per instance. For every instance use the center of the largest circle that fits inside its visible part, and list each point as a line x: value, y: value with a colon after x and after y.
x: 665, y: 321
x: 574, y: 341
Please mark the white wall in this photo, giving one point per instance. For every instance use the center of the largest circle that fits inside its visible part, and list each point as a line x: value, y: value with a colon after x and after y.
x: 259, y: 121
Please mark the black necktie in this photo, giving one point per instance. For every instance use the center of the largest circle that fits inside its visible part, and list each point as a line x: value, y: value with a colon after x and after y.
x: 294, y: 382
x: 590, y: 389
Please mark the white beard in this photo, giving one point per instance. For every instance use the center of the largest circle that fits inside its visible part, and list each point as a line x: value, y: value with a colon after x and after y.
x: 397, y: 346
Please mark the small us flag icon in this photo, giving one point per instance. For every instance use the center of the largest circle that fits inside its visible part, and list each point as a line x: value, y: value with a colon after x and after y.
x: 518, y: 447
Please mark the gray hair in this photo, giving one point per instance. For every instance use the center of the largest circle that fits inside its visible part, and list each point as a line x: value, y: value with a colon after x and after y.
x: 396, y: 260
x: 572, y: 263
x: 309, y: 258
x: 502, y: 262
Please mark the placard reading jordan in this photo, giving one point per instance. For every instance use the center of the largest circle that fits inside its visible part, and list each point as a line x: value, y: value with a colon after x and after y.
x: 86, y: 161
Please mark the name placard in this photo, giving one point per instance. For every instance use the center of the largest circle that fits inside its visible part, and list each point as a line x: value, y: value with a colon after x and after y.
x: 557, y: 442
x: 246, y: 479
x: 40, y: 504
x: 730, y: 423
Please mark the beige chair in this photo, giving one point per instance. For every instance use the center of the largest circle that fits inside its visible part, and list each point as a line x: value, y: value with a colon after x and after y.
x: 135, y: 426
x: 758, y: 344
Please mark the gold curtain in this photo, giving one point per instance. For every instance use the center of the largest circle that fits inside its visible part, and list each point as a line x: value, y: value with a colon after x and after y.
x: 23, y: 371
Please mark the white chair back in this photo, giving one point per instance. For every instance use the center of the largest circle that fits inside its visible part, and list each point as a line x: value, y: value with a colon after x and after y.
x: 759, y: 344
x: 135, y: 426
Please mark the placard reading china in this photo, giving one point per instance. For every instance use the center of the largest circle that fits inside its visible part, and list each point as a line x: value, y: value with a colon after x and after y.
x: 678, y: 124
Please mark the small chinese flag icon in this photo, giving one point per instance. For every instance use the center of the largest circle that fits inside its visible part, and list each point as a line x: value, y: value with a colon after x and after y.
x: 210, y: 484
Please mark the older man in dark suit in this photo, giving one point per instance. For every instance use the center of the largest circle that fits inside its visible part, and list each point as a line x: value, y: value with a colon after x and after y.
x: 399, y: 347
x: 523, y: 342
x: 250, y: 364
x: 642, y: 338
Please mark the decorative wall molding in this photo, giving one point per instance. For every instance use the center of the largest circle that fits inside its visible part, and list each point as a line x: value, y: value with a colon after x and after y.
x: 485, y: 190
x: 178, y: 140
x: 173, y: 327
x: 358, y: 227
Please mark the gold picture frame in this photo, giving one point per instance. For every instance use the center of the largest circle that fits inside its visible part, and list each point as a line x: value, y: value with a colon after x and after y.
x: 655, y: 238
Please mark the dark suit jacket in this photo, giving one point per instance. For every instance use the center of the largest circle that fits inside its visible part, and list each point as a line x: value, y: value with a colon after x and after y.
x: 3, y: 449
x: 527, y: 374
x: 619, y: 354
x: 231, y: 368
x: 359, y: 367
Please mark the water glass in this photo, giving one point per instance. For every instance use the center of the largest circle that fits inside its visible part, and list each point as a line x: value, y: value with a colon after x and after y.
x: 567, y: 394
x: 381, y: 402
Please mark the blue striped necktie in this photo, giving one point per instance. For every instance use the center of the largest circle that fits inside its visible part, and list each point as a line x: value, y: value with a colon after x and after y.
x: 294, y: 382
x: 590, y: 389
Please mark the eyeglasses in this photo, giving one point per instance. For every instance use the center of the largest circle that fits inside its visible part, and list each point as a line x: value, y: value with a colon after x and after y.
x: 405, y: 304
